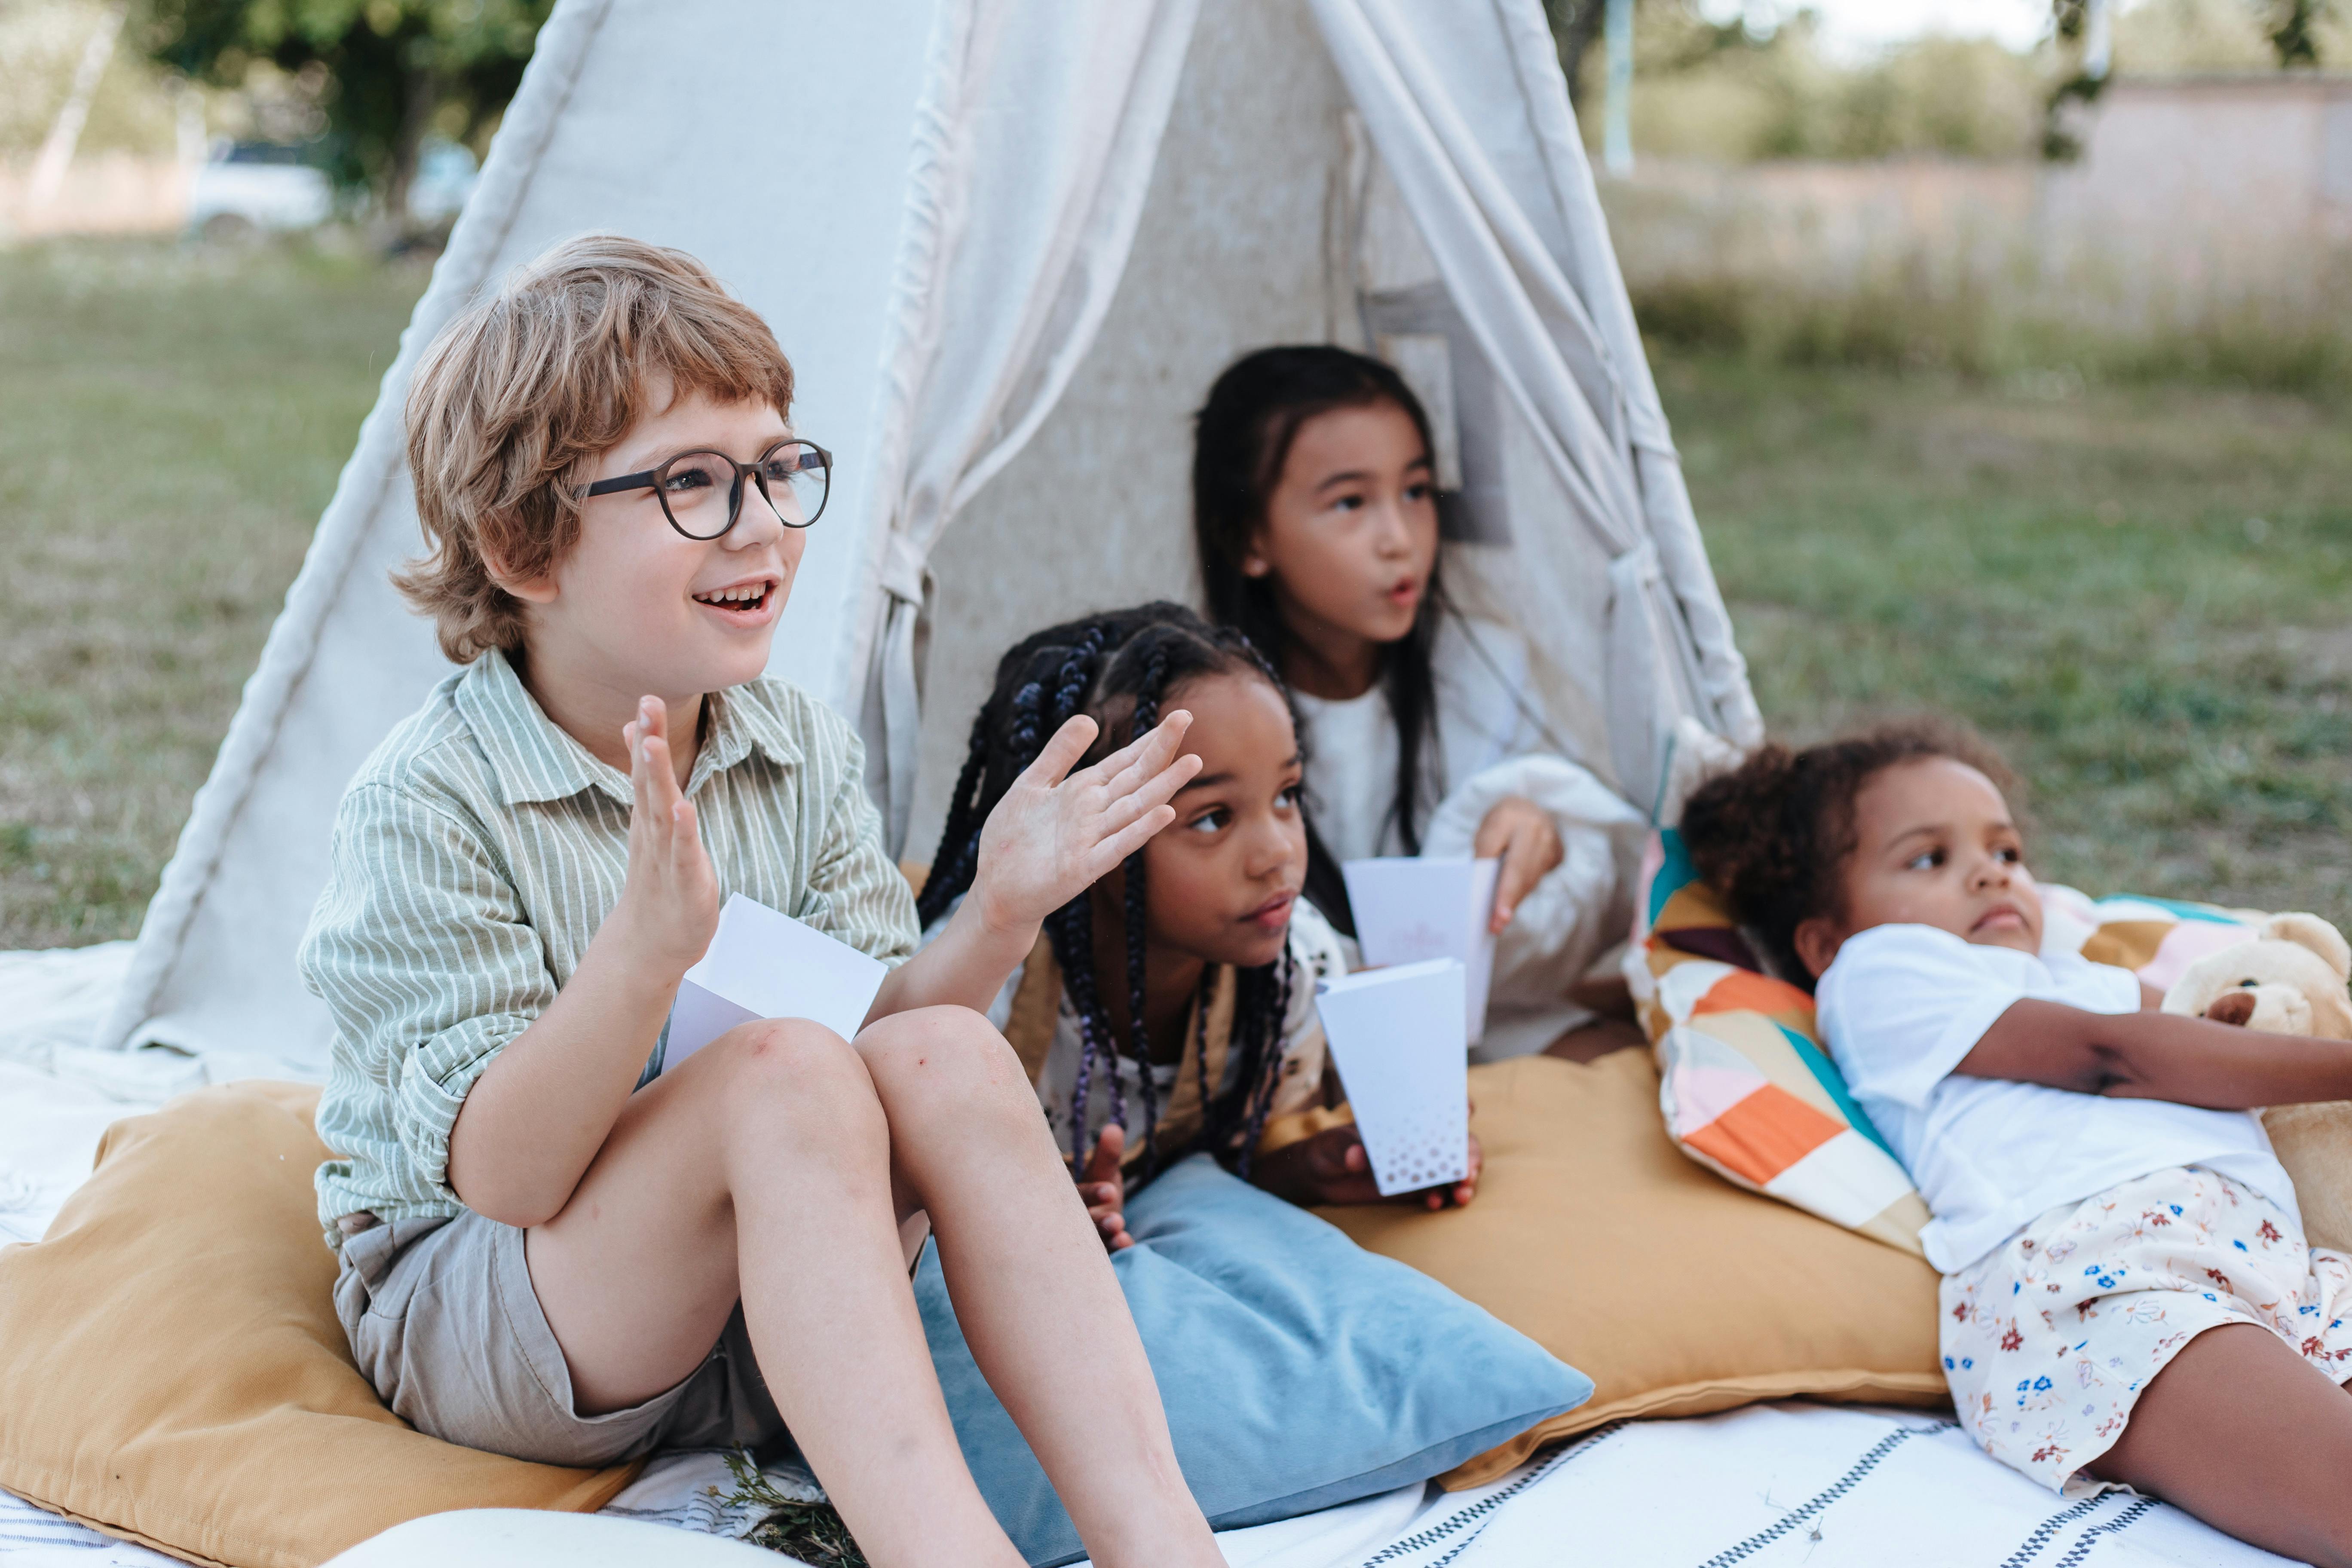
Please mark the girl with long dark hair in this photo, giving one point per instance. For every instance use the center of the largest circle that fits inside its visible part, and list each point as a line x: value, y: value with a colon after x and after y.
x: 1316, y: 512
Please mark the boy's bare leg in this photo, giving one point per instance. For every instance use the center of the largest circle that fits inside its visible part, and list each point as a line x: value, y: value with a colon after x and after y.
x: 2250, y: 1437
x: 1032, y: 1286
x: 760, y: 1168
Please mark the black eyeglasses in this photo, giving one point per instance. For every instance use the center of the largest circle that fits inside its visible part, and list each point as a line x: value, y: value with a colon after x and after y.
x: 795, y: 475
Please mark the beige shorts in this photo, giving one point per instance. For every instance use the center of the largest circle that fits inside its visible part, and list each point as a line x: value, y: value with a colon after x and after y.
x: 442, y: 1318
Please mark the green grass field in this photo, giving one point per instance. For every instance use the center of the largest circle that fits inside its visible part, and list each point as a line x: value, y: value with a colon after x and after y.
x: 2136, y: 590
x: 170, y: 424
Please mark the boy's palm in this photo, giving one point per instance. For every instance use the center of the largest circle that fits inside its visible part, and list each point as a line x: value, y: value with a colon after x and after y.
x: 1052, y: 837
x: 671, y: 892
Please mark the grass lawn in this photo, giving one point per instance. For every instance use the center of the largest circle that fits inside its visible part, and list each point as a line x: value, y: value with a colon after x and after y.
x: 2135, y: 590
x: 171, y: 425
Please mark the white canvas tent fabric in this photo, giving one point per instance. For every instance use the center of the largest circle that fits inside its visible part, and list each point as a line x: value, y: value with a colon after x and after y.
x: 1006, y: 243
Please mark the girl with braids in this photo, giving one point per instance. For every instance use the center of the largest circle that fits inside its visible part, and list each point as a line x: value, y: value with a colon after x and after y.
x: 1315, y: 509
x: 1172, y: 1007
x: 2127, y: 1297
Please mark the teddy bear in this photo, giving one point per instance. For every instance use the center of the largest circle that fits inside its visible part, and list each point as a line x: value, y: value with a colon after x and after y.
x: 2291, y: 979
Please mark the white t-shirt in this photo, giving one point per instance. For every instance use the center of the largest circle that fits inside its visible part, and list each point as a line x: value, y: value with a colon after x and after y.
x: 1900, y: 1007
x: 1351, y: 763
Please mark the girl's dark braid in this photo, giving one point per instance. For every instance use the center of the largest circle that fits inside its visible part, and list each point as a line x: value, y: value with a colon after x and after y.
x: 958, y: 852
x: 1072, y: 929
x: 1261, y: 1064
x: 1147, y: 714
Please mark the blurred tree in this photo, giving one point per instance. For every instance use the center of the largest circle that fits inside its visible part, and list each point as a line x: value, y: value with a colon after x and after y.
x: 2295, y: 27
x: 2079, y: 84
x: 2295, y: 30
x: 1710, y: 84
x: 396, y: 69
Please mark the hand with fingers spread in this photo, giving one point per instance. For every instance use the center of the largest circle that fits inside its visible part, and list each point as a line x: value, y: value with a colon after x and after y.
x: 670, y: 899
x: 1104, y: 1186
x: 1331, y: 1167
x: 1524, y: 835
x: 1051, y: 837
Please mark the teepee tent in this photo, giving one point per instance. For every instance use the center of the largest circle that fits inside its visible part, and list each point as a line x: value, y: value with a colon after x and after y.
x: 1007, y: 244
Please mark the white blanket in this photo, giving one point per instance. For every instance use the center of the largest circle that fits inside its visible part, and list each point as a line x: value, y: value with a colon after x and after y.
x: 1794, y: 1484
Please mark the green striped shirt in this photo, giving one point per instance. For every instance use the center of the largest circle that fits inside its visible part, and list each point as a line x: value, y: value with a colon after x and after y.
x: 476, y: 853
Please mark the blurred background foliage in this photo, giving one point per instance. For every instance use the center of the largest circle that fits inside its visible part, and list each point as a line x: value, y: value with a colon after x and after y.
x: 1742, y: 91
x: 382, y: 73
x: 378, y: 76
x: 363, y: 83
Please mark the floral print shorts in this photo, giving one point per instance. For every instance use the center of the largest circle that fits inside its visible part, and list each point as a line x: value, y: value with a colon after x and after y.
x: 2049, y: 1339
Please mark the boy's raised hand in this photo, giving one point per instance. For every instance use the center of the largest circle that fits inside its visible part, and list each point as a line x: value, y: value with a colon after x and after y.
x: 1051, y: 837
x: 671, y: 894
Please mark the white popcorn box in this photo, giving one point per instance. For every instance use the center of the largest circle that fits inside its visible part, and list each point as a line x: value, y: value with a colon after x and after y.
x: 1397, y: 1037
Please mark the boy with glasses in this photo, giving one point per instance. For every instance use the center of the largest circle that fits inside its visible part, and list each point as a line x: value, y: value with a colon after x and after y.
x: 550, y: 1245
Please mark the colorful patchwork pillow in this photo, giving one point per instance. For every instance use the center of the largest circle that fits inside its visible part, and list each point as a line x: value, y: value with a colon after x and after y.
x: 1744, y: 1084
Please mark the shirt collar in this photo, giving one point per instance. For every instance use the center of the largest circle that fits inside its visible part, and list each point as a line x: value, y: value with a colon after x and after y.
x: 536, y: 760
x: 740, y: 719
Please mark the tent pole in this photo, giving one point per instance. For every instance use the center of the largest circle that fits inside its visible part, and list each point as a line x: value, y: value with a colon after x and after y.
x: 1617, y: 138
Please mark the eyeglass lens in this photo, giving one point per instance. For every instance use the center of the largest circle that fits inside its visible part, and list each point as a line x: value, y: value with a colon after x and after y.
x: 702, y: 491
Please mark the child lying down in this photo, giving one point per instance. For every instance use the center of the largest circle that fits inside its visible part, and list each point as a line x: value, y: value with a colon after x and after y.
x: 2128, y: 1295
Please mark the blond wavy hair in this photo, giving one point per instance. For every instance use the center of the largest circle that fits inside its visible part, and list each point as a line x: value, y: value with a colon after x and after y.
x: 518, y: 396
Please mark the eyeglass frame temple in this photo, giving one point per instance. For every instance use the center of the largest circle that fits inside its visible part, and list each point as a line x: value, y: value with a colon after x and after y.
x: 650, y: 477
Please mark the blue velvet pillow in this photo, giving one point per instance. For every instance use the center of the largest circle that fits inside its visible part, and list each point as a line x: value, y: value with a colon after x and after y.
x: 1299, y: 1371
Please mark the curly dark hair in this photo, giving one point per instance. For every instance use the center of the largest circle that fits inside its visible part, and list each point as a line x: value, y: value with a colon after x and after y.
x: 1118, y: 667
x: 1774, y: 835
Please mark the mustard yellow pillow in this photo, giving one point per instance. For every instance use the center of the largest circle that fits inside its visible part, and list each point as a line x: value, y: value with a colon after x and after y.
x: 1675, y: 1292
x: 171, y: 1370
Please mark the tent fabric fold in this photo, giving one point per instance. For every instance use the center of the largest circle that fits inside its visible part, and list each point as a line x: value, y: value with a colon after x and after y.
x: 1033, y: 146
x: 1538, y: 312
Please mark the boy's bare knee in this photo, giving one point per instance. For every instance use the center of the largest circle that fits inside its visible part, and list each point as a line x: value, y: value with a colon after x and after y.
x: 932, y: 1052
x: 792, y: 1069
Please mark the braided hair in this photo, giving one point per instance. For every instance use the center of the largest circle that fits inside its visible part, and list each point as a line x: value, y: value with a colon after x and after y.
x: 1240, y: 439
x: 1118, y: 667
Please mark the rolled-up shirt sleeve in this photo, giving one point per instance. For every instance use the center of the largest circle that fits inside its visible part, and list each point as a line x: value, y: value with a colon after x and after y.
x: 421, y: 952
